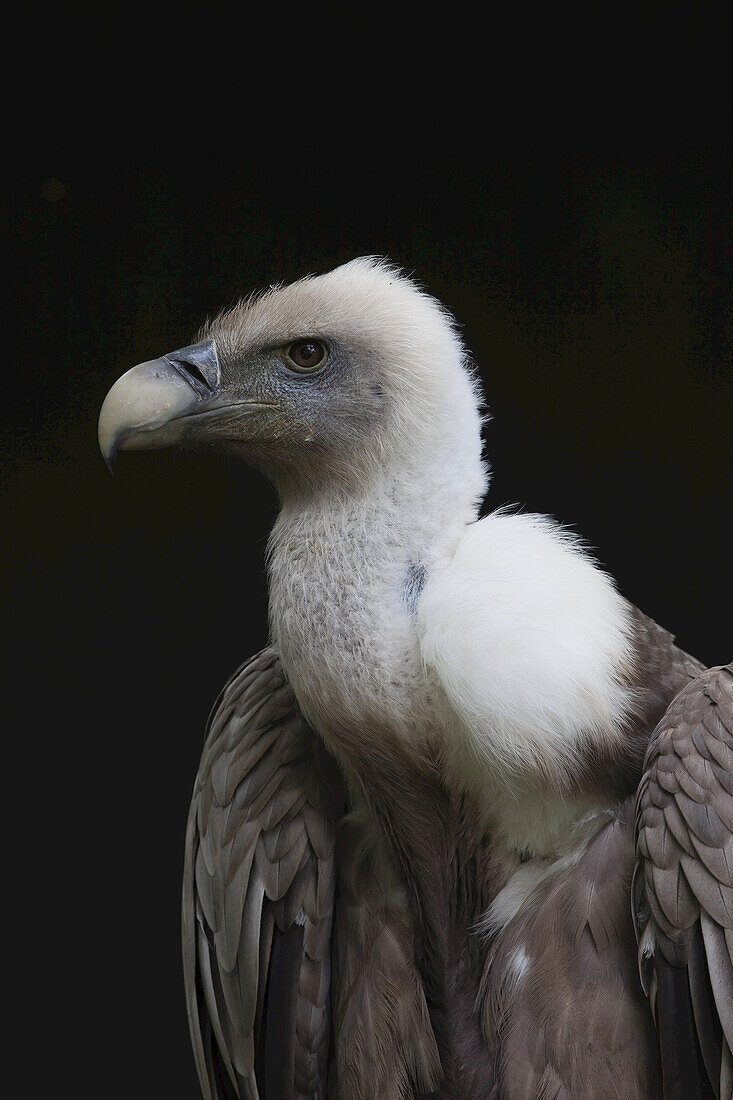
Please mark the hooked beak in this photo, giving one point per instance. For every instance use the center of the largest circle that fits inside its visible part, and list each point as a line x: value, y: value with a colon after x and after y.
x: 148, y: 406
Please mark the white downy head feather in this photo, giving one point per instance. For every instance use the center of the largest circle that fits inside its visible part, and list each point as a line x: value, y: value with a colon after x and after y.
x: 400, y: 339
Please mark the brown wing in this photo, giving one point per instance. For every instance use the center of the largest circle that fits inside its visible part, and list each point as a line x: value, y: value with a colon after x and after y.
x: 258, y: 893
x: 683, y: 886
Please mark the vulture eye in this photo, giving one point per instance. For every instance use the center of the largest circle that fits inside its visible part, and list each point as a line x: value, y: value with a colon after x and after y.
x: 306, y: 355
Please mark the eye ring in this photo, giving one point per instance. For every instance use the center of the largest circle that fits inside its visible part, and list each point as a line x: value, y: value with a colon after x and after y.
x: 306, y: 355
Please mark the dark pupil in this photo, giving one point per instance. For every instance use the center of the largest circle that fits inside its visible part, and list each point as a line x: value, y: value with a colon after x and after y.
x: 307, y: 351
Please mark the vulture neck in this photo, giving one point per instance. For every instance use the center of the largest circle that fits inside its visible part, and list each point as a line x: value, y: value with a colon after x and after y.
x: 345, y: 575
x: 346, y: 571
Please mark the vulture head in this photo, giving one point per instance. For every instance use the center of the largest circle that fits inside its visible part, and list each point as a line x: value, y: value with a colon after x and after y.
x: 337, y: 379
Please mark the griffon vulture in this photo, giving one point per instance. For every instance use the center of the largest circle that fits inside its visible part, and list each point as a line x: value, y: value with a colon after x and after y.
x: 463, y: 829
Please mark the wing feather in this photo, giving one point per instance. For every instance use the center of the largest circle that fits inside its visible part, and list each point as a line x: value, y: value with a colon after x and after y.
x: 259, y: 856
x: 721, y: 970
x: 707, y: 1020
x: 683, y: 884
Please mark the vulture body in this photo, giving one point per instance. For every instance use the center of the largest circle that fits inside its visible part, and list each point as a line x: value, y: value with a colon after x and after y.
x: 464, y: 828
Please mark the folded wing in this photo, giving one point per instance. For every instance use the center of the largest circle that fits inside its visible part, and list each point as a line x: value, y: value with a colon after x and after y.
x: 683, y: 886
x: 258, y: 894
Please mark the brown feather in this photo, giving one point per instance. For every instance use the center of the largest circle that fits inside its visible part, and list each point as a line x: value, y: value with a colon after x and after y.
x: 685, y: 847
x: 562, y: 990
x: 249, y: 864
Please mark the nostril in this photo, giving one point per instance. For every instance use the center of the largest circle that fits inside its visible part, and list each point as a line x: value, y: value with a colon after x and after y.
x: 198, y: 365
x: 191, y: 368
x: 193, y: 374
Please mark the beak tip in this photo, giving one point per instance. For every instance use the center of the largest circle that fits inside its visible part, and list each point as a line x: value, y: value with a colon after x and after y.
x: 138, y: 409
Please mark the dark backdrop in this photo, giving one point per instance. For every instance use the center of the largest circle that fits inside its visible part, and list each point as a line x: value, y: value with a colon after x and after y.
x: 593, y: 287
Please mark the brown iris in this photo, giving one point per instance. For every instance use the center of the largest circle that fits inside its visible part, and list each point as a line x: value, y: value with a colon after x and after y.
x: 306, y: 354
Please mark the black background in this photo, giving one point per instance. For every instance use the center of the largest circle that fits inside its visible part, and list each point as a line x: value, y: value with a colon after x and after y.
x: 593, y: 287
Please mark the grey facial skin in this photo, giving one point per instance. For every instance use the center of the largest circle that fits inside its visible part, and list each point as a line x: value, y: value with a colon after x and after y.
x: 171, y: 400
x: 253, y: 403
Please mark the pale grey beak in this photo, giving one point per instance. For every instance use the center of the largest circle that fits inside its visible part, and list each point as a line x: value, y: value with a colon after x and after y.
x: 146, y: 407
